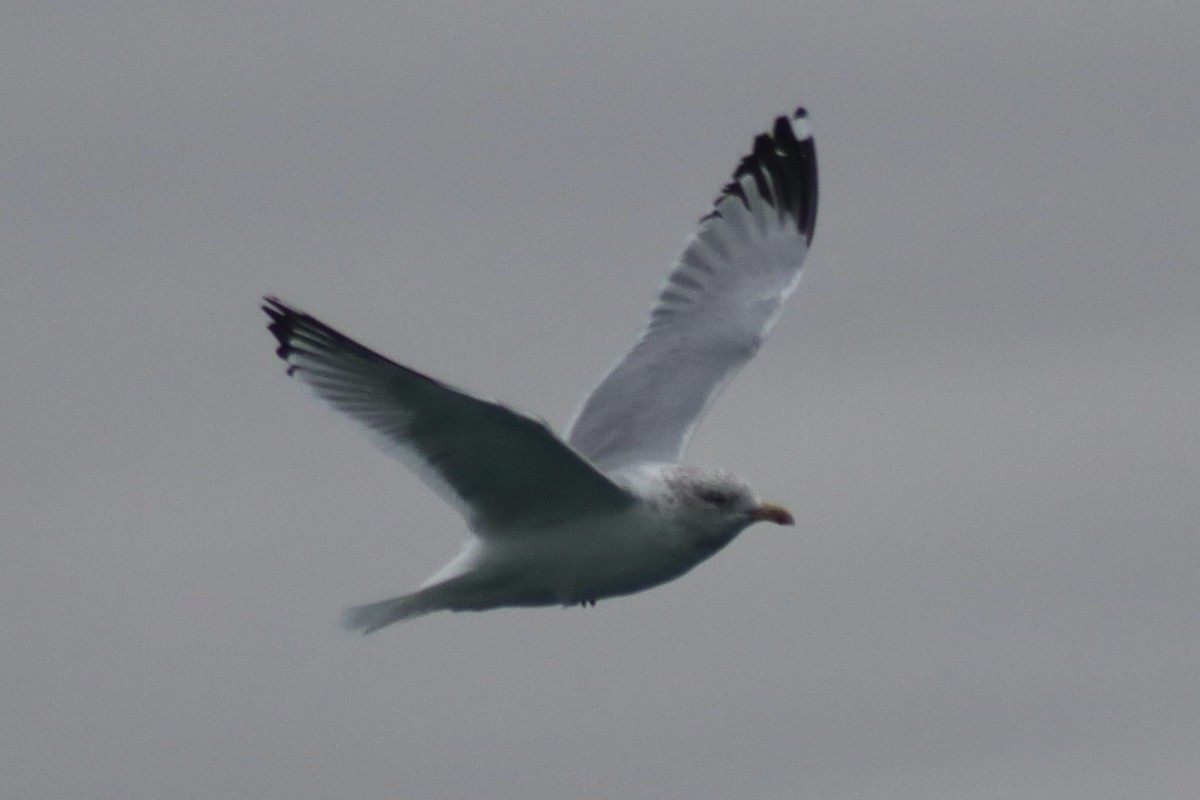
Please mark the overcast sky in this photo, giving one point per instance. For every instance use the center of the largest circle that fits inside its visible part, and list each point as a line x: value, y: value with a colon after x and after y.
x: 982, y: 404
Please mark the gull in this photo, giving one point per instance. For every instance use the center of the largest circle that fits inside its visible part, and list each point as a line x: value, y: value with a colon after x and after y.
x: 608, y: 510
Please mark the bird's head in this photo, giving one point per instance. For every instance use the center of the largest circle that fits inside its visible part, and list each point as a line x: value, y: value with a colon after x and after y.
x: 715, y: 506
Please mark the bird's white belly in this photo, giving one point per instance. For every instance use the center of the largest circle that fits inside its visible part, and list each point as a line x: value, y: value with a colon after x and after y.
x: 582, y: 563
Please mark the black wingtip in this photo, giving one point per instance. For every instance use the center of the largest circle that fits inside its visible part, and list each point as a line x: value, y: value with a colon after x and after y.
x: 783, y: 166
x: 282, y: 325
x: 275, y: 309
x: 303, y: 336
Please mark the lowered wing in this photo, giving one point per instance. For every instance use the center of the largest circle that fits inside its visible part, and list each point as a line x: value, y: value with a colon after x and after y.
x: 501, y: 469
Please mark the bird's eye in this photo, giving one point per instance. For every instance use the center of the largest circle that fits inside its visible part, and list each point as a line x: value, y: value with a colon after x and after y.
x: 714, y: 497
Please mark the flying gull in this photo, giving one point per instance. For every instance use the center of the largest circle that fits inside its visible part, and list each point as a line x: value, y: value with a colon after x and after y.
x: 608, y: 510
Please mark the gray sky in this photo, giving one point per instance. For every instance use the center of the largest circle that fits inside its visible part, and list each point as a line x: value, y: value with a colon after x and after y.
x: 981, y: 405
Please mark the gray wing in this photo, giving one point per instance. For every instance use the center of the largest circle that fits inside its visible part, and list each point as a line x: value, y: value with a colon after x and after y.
x: 719, y: 302
x: 501, y: 469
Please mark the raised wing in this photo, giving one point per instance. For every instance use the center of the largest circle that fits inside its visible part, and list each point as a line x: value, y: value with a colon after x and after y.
x: 719, y: 302
x: 503, y: 470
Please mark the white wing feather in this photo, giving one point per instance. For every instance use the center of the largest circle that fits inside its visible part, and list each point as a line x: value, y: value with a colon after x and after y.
x: 719, y: 302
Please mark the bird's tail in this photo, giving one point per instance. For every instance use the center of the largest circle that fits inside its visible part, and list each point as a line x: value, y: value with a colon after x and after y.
x: 373, y: 616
